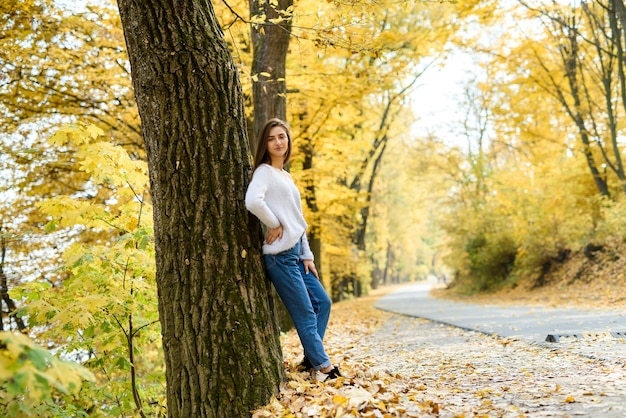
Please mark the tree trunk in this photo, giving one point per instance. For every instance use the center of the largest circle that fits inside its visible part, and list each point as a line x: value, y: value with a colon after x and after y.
x: 376, y: 153
x: 617, y: 19
x: 365, y: 210
x: 571, y: 64
x: 270, y: 42
x: 220, y: 338
x: 4, y: 294
x: 314, y: 233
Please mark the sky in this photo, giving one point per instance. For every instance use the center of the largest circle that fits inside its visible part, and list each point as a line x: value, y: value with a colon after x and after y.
x: 437, y: 98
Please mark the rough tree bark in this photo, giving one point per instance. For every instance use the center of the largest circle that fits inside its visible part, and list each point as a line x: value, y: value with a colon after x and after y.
x: 270, y: 43
x: 220, y: 338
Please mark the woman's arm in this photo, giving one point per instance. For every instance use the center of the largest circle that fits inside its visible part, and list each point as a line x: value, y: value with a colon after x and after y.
x: 274, y: 234
x: 306, y: 255
x: 255, y: 199
x: 309, y: 266
x: 305, y: 249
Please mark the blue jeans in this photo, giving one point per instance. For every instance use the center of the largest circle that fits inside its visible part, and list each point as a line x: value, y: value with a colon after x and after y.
x: 306, y: 301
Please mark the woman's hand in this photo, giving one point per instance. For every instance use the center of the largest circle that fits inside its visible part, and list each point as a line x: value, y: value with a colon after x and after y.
x: 309, y: 266
x: 273, y: 234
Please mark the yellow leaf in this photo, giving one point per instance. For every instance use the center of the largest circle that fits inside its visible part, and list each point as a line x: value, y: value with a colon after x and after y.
x: 94, y: 131
x: 20, y: 355
x: 258, y: 18
x: 358, y: 396
x: 381, y: 405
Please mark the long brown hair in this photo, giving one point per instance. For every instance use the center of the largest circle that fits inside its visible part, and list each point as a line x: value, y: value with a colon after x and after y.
x: 262, y: 156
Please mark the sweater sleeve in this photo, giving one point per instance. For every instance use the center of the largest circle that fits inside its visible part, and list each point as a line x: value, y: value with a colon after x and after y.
x: 255, y: 199
x: 305, y: 249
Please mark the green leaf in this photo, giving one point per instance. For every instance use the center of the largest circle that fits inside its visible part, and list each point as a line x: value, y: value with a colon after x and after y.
x: 51, y: 226
x: 39, y: 358
x: 43, y: 384
x: 144, y: 241
x: 17, y: 384
x: 123, y: 364
x: 89, y: 332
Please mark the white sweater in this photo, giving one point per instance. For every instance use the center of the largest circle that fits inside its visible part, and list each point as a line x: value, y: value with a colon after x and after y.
x: 273, y: 197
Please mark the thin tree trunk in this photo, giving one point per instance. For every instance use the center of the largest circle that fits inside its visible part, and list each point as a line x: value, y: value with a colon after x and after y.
x: 314, y: 234
x: 572, y: 67
x: 388, y: 261
x: 220, y: 338
x: 4, y: 293
x: 365, y: 210
x: 376, y: 154
x: 617, y: 20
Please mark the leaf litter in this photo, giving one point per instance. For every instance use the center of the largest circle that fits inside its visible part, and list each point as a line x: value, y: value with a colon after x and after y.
x: 397, y: 366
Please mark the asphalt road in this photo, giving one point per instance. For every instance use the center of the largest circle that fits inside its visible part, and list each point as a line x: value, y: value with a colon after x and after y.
x: 530, y: 324
x: 580, y: 376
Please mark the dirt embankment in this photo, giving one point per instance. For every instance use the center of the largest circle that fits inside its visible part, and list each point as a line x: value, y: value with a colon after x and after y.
x: 594, y: 276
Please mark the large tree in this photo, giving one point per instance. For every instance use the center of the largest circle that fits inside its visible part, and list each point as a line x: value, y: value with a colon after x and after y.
x: 220, y: 340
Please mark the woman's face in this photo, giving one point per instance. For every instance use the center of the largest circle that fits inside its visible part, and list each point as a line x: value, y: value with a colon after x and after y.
x: 277, y: 143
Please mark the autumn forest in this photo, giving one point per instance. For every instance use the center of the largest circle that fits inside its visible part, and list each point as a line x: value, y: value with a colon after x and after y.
x: 524, y: 168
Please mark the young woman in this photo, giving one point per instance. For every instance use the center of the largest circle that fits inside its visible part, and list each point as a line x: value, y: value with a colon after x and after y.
x: 273, y: 197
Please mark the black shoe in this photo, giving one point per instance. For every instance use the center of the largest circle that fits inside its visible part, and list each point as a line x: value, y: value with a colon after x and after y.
x: 304, y: 365
x: 323, y: 377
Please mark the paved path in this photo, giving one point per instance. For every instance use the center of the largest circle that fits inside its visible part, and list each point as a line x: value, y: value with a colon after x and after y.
x: 528, y: 324
x: 527, y: 376
x: 468, y: 374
